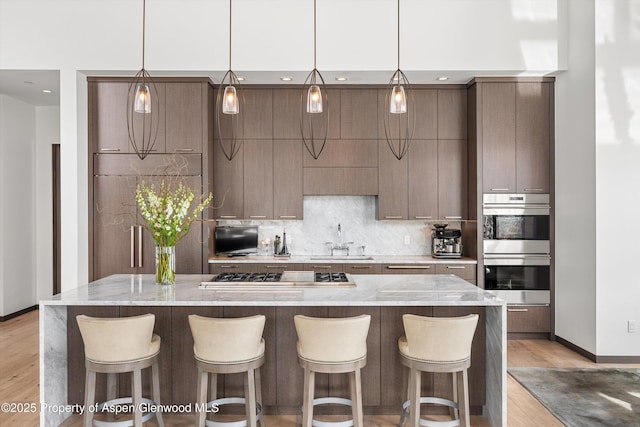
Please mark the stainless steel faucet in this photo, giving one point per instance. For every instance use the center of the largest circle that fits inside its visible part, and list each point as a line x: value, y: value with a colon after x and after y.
x: 340, y: 245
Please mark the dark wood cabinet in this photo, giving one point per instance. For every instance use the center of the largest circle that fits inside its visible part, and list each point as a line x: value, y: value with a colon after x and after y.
x: 362, y: 268
x: 287, y: 179
x: 408, y: 269
x: 529, y: 319
x: 533, y: 134
x: 423, y: 160
x: 516, y: 136
x: 393, y: 196
x: 258, y: 120
x: 258, y: 179
x: 464, y: 271
x: 452, y: 114
x: 452, y: 179
x: 287, y: 109
x: 359, y: 114
x: 116, y: 242
x: 184, y: 118
x: 228, y: 184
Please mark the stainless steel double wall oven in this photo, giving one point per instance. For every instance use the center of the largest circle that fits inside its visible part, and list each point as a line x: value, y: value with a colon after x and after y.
x: 516, y: 247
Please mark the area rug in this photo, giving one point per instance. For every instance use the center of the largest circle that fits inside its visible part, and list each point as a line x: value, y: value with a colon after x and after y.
x: 585, y: 397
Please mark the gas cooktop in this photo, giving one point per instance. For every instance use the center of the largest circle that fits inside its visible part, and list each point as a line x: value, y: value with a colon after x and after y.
x: 286, y: 278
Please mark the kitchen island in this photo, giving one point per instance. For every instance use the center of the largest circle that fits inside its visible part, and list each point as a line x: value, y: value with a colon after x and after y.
x: 385, y: 297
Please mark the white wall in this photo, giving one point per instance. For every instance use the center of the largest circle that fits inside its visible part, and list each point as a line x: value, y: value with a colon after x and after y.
x: 575, y: 204
x: 617, y: 91
x: 17, y: 198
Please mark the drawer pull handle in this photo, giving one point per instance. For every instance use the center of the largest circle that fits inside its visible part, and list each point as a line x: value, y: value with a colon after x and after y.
x: 499, y: 189
x: 453, y: 217
x: 276, y: 266
x: 533, y: 189
x: 288, y: 216
x: 365, y: 267
x: 184, y: 150
x: 228, y: 266
x: 133, y: 245
x: 393, y: 217
x: 452, y: 267
x: 408, y: 267
x: 257, y: 216
x: 228, y: 216
x: 325, y: 267
x: 423, y: 217
x: 110, y: 150
x: 518, y: 310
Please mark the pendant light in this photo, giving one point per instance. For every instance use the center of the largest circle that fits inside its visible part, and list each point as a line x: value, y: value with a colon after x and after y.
x: 314, y: 106
x: 399, y: 112
x: 143, y: 106
x: 229, y: 105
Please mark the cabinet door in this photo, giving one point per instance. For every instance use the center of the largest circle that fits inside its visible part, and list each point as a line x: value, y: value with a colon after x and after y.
x: 258, y: 121
x: 426, y: 110
x: 109, y: 118
x: 533, y: 132
x: 114, y: 215
x: 392, y: 184
x: 361, y: 268
x: 190, y: 248
x: 498, y: 138
x: 423, y: 180
x: 287, y: 109
x: 529, y: 319
x: 258, y: 179
x: 287, y: 179
x: 228, y: 187
x: 464, y: 271
x: 184, y: 118
x: 452, y: 114
x: 358, y: 114
x: 452, y: 179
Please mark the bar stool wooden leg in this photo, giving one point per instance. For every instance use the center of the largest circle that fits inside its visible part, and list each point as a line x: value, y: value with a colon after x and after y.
x: 201, y: 398
x: 415, y: 379
x: 137, y: 397
x: 463, y: 399
x: 213, y: 386
x: 356, y: 398
x: 89, y: 397
x: 155, y: 384
x: 259, y: 396
x: 309, y: 390
x: 453, y: 412
x: 250, y: 398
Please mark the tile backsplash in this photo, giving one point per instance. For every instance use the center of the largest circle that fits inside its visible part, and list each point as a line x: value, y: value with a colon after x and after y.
x: 357, y: 216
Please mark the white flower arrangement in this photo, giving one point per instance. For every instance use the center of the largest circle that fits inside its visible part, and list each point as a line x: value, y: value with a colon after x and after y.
x: 167, y: 212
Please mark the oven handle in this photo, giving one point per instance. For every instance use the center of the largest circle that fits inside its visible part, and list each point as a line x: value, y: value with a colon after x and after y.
x: 515, y: 210
x: 517, y: 259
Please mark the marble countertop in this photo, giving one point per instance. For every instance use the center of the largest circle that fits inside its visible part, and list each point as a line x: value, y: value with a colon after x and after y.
x: 370, y: 290
x: 326, y: 259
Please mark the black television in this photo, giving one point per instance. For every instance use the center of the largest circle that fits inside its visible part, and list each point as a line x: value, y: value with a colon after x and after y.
x: 236, y: 240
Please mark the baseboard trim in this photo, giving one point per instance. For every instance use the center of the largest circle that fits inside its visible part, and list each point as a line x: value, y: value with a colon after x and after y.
x: 18, y: 313
x: 528, y: 336
x: 593, y: 357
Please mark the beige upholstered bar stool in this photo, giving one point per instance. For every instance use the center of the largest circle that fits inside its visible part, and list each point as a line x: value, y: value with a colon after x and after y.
x: 437, y: 344
x: 332, y: 345
x: 227, y: 346
x: 120, y: 345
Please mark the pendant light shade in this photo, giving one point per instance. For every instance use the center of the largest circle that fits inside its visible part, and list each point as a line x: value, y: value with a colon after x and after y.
x: 142, y: 106
x: 229, y: 106
x: 314, y: 106
x: 399, y: 114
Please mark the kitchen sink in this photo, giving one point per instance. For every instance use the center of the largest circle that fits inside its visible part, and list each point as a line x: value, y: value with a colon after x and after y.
x: 341, y: 258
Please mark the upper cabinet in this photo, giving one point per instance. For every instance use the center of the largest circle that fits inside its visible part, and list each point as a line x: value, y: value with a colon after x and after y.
x: 184, y: 119
x: 358, y: 114
x: 516, y: 134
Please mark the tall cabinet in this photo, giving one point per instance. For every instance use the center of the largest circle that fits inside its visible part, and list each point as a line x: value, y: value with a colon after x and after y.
x: 118, y: 243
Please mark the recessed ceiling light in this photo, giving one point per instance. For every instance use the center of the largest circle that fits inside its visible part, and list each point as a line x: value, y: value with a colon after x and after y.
x: 286, y: 79
x: 342, y: 79
x: 241, y: 79
x: 46, y: 90
x: 442, y: 78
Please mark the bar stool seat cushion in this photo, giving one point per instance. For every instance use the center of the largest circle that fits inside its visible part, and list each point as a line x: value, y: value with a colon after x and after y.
x: 403, y: 345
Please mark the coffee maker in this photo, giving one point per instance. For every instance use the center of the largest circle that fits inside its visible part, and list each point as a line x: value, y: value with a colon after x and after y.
x: 446, y: 243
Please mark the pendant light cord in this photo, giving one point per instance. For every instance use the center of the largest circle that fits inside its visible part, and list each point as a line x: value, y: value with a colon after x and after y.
x: 398, y: 34
x: 144, y: 15
x: 314, y: 34
x: 229, y: 34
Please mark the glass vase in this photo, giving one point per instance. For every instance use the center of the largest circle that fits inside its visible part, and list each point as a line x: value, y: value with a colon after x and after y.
x: 165, y: 265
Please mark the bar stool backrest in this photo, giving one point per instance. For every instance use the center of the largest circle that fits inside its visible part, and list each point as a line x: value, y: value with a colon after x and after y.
x: 227, y: 340
x: 118, y: 339
x: 332, y: 340
x: 439, y: 339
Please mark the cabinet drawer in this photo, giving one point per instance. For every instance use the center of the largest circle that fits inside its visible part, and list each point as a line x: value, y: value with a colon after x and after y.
x: 276, y: 267
x: 230, y: 268
x: 464, y: 271
x: 529, y: 318
x: 326, y: 267
x: 363, y: 268
x: 408, y: 269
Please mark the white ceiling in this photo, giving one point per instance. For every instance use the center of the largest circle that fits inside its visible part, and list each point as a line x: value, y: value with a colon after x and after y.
x: 27, y: 86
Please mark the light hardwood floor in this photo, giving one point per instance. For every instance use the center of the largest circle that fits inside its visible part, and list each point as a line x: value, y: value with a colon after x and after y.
x: 19, y: 380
